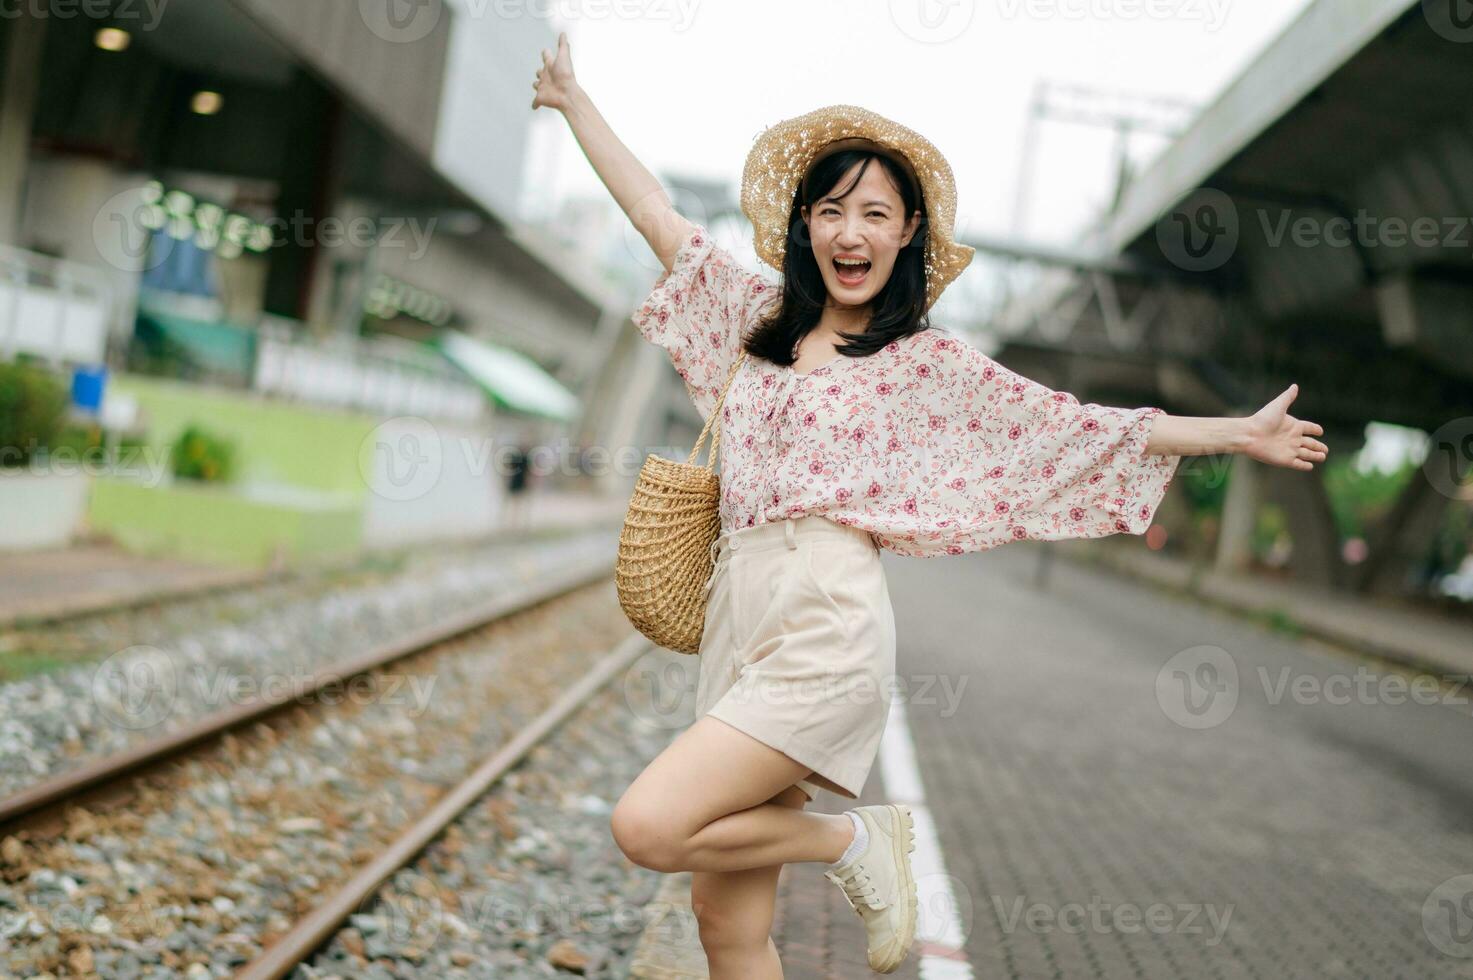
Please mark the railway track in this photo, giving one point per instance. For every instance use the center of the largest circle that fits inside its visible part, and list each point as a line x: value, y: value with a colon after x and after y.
x: 103, y: 685
x: 46, y: 811
x: 103, y: 773
x: 314, y: 929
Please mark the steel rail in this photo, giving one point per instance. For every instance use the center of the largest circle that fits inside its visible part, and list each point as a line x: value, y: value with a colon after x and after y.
x: 316, y: 927
x: 97, y: 774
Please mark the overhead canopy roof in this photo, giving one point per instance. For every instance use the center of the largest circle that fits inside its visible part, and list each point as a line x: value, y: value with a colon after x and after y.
x: 215, y: 346
x: 513, y: 380
x: 1336, y: 174
x: 1282, y: 90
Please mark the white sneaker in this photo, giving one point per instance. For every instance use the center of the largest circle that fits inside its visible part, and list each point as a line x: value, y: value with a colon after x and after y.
x: 880, y: 885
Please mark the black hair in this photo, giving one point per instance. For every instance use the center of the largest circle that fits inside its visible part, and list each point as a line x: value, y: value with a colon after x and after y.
x: 897, y: 310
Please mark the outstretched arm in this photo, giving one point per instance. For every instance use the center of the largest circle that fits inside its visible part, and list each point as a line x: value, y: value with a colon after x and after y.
x: 635, y: 189
x: 1271, y: 435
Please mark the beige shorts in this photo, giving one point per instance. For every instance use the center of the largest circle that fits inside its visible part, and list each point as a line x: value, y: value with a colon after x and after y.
x: 798, y: 649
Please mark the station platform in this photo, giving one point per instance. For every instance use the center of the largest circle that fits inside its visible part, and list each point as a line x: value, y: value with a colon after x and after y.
x: 97, y: 576
x: 1124, y: 781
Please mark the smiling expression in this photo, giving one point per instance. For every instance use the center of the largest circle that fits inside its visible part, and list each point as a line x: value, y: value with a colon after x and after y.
x: 856, y: 238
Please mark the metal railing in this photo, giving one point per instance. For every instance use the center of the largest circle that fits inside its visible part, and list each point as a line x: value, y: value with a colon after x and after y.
x: 53, y: 308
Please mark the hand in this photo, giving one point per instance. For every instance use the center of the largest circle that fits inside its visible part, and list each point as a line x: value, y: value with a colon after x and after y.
x: 1278, y: 438
x: 555, y: 83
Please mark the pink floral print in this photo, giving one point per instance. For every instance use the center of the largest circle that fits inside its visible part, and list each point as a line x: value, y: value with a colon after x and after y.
x: 928, y: 444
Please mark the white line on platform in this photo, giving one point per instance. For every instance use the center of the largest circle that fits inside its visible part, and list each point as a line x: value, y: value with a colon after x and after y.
x: 939, y: 932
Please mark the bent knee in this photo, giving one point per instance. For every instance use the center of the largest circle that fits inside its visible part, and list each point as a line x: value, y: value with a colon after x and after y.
x: 646, y: 837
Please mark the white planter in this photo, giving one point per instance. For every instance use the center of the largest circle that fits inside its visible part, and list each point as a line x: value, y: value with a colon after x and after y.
x: 40, y: 510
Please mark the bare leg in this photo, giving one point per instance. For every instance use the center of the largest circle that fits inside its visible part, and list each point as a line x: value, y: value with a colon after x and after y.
x: 701, y: 805
x: 735, y: 911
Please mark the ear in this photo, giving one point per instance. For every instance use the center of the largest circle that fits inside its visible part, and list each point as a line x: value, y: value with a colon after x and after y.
x: 910, y: 228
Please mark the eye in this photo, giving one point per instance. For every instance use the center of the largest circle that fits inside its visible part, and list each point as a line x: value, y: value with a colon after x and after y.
x: 832, y: 210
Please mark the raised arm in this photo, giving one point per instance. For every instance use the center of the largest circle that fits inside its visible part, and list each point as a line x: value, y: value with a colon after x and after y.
x: 1271, y: 435
x: 635, y: 189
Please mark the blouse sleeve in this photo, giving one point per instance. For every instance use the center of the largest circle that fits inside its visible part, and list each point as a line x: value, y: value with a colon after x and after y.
x: 699, y: 311
x: 1004, y: 458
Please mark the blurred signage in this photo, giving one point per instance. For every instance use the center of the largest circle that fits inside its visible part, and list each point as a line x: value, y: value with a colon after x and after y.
x: 390, y: 297
x: 207, y: 226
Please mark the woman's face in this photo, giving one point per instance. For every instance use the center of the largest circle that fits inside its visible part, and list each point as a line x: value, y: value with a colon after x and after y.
x: 867, y: 226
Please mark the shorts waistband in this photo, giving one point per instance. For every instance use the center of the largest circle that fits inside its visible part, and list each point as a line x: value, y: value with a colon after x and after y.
x: 785, y: 533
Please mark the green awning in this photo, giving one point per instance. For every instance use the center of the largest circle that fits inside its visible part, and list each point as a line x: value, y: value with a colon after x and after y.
x: 511, y: 379
x: 214, y: 346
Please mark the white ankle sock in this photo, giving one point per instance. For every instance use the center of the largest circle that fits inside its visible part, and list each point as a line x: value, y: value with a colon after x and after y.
x: 857, y: 845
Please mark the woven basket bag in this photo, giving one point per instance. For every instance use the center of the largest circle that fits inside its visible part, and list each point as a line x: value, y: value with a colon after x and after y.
x: 664, y: 558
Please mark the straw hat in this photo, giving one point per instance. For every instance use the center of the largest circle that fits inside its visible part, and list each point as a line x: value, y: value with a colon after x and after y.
x: 783, y: 154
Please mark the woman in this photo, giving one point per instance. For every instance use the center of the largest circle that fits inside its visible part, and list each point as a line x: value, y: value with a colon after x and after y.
x: 849, y: 424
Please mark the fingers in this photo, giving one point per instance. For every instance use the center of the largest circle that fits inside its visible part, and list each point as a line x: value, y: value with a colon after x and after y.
x: 1311, y: 444
x: 1308, y: 428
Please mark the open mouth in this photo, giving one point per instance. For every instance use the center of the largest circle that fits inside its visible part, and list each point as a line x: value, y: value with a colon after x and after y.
x: 851, y: 272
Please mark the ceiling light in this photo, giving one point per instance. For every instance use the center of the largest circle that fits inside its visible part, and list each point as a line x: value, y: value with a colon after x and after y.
x: 207, y: 103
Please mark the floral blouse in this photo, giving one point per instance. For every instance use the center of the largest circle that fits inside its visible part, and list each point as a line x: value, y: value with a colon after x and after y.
x: 928, y: 444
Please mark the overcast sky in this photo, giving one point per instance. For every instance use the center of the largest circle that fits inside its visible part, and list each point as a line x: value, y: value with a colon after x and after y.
x: 688, y: 84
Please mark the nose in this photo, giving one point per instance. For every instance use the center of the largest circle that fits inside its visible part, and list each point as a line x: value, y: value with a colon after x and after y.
x: 849, y: 233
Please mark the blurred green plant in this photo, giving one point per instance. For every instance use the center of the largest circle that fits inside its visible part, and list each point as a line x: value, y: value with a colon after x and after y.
x: 199, y: 454
x: 1360, y: 499
x: 32, y: 405
x: 88, y: 442
x: 1203, y: 485
x: 1271, y: 534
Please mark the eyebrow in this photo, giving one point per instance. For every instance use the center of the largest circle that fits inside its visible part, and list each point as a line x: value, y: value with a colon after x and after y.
x: 835, y: 200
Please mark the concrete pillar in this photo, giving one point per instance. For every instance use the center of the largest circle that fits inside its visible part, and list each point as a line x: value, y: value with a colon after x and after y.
x: 1397, y: 546
x: 635, y: 415
x: 1315, y: 559
x: 1235, y: 535
x: 21, y: 43
x: 307, y: 191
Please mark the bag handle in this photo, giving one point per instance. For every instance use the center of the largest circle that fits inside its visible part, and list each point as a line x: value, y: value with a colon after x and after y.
x: 715, y: 411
